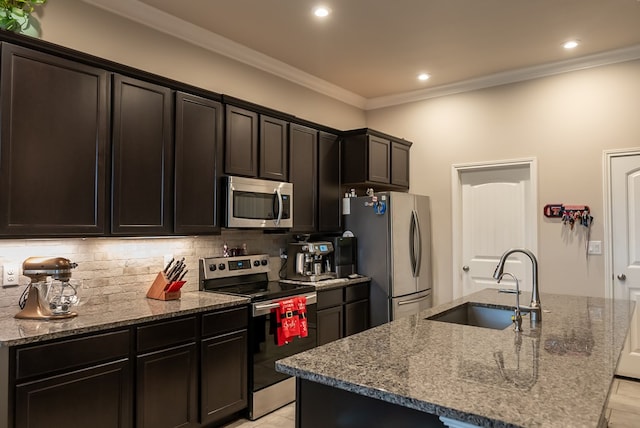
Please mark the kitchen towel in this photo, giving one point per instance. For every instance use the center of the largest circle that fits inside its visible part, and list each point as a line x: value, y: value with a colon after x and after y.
x: 291, y: 320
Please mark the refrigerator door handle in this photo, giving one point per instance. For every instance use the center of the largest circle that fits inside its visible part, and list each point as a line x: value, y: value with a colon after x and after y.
x: 419, y: 235
x: 416, y: 256
x: 412, y: 243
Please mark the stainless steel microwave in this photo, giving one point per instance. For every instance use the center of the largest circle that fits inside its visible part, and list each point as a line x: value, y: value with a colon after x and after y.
x: 253, y: 203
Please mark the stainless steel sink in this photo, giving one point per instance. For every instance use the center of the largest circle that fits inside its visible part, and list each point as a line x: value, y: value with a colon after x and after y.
x: 477, y: 314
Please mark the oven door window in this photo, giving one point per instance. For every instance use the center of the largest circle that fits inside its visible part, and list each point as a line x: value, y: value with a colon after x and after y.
x: 265, y: 352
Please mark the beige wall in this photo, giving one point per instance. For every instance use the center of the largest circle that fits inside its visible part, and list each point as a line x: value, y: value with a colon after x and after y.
x: 565, y: 121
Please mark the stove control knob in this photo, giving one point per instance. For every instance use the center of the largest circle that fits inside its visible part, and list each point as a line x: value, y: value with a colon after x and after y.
x: 212, y: 267
x: 256, y: 263
x: 264, y: 262
x: 221, y: 266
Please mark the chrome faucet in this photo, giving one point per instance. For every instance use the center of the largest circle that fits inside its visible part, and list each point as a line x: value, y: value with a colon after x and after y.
x: 517, y: 316
x: 534, y: 309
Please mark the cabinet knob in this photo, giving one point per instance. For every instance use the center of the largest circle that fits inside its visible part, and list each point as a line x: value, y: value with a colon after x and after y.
x: 622, y: 277
x: 465, y: 268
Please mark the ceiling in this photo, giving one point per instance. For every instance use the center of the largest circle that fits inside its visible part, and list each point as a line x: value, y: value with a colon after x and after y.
x: 369, y: 52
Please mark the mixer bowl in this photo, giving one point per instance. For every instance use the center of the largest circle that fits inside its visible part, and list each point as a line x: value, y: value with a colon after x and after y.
x: 58, y: 297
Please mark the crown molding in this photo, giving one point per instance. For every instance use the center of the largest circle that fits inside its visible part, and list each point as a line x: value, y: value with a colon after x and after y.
x: 169, y: 24
x: 512, y: 76
x: 176, y: 27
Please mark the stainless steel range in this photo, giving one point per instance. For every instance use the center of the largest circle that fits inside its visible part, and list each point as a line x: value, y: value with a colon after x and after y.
x: 248, y: 276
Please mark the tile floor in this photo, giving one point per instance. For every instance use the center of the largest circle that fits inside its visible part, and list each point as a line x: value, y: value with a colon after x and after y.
x: 623, y: 410
x: 624, y: 404
x: 281, y: 418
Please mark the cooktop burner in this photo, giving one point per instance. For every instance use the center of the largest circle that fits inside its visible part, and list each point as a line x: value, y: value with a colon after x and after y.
x: 265, y: 290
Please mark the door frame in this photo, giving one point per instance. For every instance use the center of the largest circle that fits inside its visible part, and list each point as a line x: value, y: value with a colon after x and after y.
x: 607, y: 214
x: 456, y: 208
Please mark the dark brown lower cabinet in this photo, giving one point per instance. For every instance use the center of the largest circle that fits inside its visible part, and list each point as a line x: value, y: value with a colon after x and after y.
x: 224, y: 376
x: 167, y: 388
x: 342, y: 312
x: 96, y: 397
x: 188, y: 371
x: 329, y: 324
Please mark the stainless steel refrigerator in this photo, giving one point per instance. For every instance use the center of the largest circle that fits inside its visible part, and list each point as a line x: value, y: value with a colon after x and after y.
x: 394, y: 249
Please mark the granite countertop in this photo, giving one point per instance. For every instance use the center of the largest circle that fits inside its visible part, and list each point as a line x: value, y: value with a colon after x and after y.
x: 557, y: 374
x: 328, y: 284
x: 116, y: 312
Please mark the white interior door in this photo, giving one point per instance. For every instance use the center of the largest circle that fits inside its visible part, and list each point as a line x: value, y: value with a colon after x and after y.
x: 625, y: 228
x: 495, y: 205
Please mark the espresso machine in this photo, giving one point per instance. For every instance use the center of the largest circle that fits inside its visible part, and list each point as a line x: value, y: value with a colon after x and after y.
x: 50, y: 294
x: 309, y: 261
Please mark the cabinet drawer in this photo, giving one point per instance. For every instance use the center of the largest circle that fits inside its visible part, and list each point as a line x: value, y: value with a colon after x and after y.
x: 224, y: 321
x: 166, y: 333
x: 329, y: 298
x: 356, y: 292
x: 71, y: 354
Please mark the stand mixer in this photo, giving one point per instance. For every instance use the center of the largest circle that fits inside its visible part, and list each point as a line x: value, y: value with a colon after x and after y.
x: 44, y: 299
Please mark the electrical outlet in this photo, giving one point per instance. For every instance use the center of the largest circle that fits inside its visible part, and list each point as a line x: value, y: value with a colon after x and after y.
x: 10, y: 275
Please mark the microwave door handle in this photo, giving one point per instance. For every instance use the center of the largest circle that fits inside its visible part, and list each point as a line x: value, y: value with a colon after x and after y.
x: 279, y: 195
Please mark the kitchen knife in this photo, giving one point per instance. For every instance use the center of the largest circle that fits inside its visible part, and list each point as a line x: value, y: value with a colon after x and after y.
x: 166, y: 269
x: 183, y: 274
x: 175, y: 268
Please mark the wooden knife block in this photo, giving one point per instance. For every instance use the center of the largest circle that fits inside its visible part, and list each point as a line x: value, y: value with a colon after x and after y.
x: 157, y: 289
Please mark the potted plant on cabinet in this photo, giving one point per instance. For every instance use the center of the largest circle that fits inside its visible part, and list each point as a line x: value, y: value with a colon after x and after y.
x: 15, y: 15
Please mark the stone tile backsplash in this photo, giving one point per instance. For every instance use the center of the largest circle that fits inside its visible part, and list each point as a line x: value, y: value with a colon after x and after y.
x: 109, y: 266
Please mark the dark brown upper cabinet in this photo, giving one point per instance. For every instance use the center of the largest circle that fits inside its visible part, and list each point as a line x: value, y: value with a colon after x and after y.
x: 400, y: 164
x: 241, y: 142
x: 198, y: 164
x: 373, y: 159
x: 329, y: 188
x: 303, y: 167
x: 255, y: 145
x: 273, y: 148
x: 53, y: 147
x: 142, y: 162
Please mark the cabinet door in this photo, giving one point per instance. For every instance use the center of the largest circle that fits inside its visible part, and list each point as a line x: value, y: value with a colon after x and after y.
x: 167, y: 388
x: 329, y: 189
x: 303, y: 166
x: 198, y: 164
x: 223, y: 388
x: 97, y: 397
x: 400, y: 164
x: 142, y: 192
x: 241, y: 142
x: 273, y: 148
x: 379, y: 160
x: 55, y: 121
x: 356, y: 317
x: 329, y: 327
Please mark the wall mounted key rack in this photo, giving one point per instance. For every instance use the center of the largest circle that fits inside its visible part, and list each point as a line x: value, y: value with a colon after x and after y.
x: 570, y: 214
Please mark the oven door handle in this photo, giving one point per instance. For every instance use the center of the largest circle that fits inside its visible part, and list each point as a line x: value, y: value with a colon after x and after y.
x: 259, y: 309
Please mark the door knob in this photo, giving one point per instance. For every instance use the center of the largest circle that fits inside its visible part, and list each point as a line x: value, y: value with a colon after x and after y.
x: 622, y: 277
x: 465, y: 268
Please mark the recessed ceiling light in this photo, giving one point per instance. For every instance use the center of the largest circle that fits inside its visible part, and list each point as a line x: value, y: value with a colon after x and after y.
x: 321, y: 11
x: 571, y: 44
x: 423, y: 76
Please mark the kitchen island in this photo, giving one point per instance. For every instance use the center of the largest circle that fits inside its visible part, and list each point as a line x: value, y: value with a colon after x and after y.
x: 417, y: 371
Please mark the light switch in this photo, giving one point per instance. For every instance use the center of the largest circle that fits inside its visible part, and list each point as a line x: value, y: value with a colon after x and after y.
x: 595, y: 247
